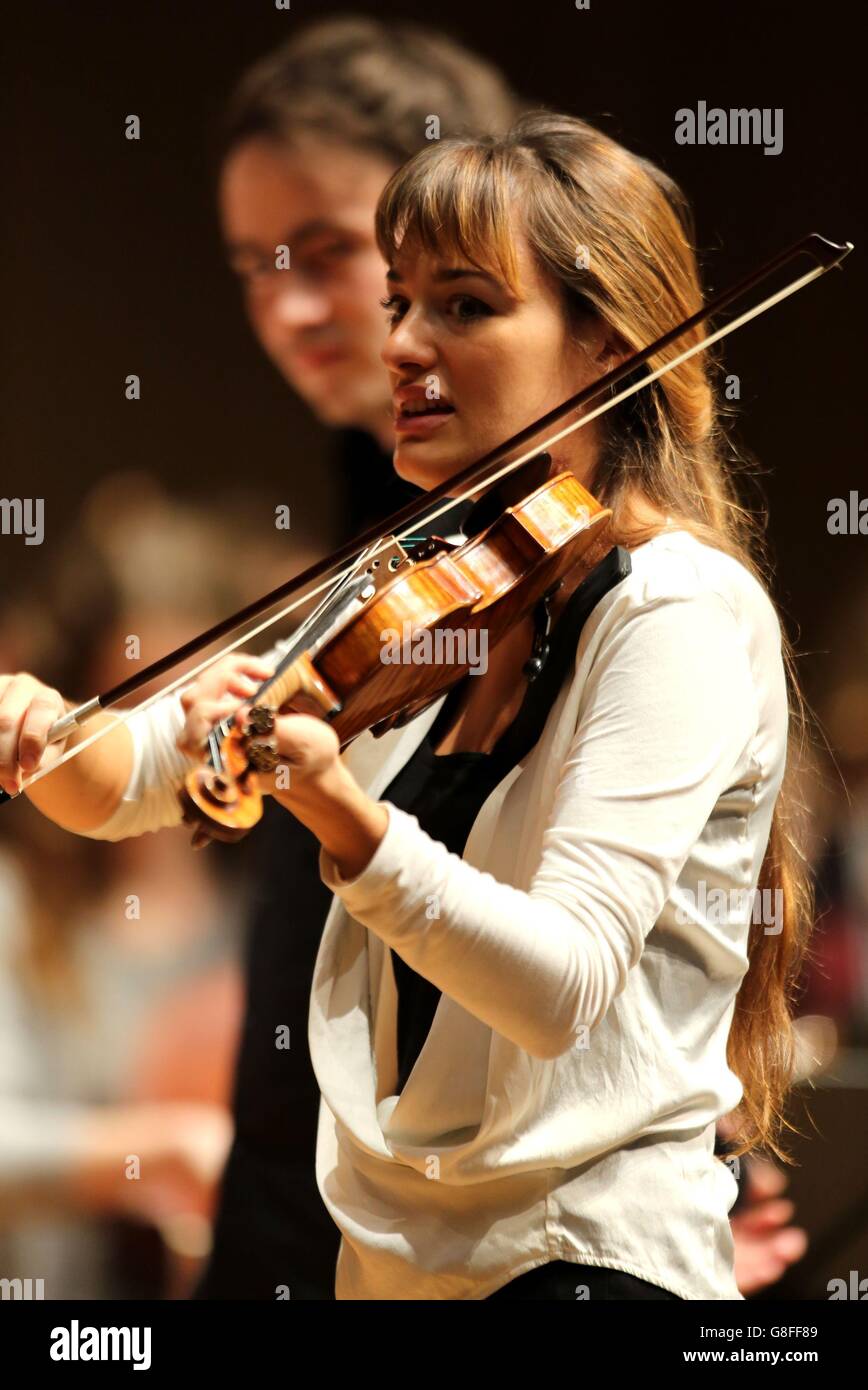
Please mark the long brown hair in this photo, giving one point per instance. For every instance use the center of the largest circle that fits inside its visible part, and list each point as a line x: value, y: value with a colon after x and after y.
x: 616, y: 234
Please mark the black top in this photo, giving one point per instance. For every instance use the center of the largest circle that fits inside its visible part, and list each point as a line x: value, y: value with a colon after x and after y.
x: 446, y: 792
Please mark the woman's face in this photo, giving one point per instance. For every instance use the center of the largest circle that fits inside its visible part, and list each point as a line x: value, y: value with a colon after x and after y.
x: 481, y: 363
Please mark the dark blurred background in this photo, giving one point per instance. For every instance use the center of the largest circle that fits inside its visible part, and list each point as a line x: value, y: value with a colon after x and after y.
x: 112, y: 265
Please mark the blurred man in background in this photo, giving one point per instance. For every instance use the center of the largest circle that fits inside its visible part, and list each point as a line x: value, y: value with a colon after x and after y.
x: 312, y: 134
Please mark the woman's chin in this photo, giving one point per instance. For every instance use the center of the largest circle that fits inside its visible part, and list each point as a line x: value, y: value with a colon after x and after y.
x: 424, y: 469
x: 418, y: 471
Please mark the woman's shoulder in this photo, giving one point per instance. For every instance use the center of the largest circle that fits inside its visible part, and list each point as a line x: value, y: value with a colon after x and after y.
x: 707, y: 594
x: 684, y: 597
x: 675, y: 565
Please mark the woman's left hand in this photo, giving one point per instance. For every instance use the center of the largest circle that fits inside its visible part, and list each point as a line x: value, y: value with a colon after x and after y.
x: 314, y: 784
x: 310, y: 780
x: 308, y: 747
x: 309, y: 751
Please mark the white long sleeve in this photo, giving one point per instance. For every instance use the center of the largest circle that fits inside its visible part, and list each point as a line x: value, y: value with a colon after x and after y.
x: 150, y: 798
x: 667, y: 712
x: 580, y: 899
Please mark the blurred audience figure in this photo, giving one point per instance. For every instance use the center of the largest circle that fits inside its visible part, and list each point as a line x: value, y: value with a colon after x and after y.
x: 120, y: 984
x: 837, y: 983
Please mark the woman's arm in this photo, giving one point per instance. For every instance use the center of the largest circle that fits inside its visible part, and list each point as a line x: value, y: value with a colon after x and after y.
x: 667, y: 711
x: 149, y: 800
x: 126, y: 783
x: 83, y: 792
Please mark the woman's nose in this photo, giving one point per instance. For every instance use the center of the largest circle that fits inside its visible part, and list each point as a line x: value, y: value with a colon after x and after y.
x: 408, y: 344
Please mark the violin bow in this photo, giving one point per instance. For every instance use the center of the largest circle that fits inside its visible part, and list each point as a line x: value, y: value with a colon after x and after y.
x: 485, y: 472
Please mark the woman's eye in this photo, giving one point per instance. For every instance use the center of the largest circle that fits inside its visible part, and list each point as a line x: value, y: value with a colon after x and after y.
x: 392, y: 305
x: 467, y: 308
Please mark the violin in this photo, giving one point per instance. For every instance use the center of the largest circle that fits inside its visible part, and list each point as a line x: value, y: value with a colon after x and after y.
x: 339, y: 669
x: 525, y: 535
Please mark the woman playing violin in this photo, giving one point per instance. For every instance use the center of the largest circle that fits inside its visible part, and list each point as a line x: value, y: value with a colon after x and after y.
x: 567, y: 913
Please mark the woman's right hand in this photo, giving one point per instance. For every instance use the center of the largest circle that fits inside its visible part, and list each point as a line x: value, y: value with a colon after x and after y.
x: 219, y: 691
x: 28, y: 708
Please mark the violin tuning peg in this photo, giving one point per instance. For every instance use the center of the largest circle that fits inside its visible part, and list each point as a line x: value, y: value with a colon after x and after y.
x: 260, y: 720
x: 263, y: 755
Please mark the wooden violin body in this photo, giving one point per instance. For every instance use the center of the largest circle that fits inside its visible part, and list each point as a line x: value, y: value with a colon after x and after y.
x: 478, y: 590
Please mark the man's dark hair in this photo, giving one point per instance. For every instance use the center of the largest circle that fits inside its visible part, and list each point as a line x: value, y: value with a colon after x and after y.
x: 370, y: 85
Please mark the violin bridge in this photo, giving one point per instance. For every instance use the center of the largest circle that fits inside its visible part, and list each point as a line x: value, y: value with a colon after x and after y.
x: 385, y: 565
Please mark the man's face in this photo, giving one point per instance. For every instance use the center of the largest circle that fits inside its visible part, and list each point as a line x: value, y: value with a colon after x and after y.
x: 320, y: 321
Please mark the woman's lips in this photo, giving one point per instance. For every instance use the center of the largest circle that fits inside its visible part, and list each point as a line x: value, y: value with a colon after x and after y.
x: 422, y: 424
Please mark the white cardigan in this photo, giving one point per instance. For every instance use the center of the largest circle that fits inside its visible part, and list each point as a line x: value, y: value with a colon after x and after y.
x: 564, y: 1103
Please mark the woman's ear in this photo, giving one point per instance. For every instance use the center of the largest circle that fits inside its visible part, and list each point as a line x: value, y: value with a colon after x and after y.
x: 612, y: 350
x: 603, y: 346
